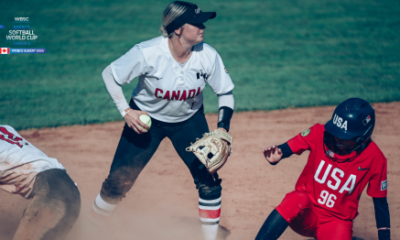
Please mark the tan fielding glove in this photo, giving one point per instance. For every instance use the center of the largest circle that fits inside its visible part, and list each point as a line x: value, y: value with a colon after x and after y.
x: 213, y: 149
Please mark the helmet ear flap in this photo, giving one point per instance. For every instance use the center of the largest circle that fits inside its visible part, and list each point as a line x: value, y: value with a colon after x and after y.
x: 367, y: 136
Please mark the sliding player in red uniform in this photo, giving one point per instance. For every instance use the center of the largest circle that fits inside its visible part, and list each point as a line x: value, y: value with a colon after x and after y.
x: 343, y: 160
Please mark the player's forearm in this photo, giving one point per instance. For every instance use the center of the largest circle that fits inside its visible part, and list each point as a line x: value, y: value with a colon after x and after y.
x: 114, y: 90
x: 226, y: 100
x: 226, y: 104
x: 286, y: 151
x: 382, y: 218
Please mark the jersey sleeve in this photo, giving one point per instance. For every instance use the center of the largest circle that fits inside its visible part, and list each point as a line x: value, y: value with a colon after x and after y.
x: 219, y: 80
x: 377, y: 186
x: 129, y: 66
x: 305, y: 140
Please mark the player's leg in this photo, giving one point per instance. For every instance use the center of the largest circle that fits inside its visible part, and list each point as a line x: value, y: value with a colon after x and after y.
x: 333, y: 228
x: 296, y: 210
x: 133, y: 153
x: 208, y: 185
x: 209, y: 204
x: 273, y: 227
x: 53, y: 210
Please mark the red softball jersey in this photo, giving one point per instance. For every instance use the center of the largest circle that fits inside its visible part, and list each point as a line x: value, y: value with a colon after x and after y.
x: 335, y: 187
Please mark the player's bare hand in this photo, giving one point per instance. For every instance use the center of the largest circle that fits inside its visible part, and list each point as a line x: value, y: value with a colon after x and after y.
x: 133, y: 121
x: 272, y: 154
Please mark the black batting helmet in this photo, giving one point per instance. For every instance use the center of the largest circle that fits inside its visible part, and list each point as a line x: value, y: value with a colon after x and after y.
x: 353, y: 119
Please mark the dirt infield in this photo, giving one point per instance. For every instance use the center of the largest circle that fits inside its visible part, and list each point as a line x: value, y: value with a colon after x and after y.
x: 163, y: 202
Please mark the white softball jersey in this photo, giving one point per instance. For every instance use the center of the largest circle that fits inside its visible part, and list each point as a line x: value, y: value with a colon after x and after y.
x: 20, y: 162
x: 167, y: 90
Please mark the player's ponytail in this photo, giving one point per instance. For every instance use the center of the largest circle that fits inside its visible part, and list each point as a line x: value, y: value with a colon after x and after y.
x: 172, y: 12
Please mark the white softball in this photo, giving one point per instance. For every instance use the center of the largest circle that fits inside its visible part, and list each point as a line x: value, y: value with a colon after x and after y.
x: 145, y: 119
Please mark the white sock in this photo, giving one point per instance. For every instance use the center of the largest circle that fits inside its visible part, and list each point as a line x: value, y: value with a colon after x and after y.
x: 101, y: 211
x: 210, y: 212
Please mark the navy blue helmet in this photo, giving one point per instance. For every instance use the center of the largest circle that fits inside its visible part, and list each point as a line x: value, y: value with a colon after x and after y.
x: 351, y: 126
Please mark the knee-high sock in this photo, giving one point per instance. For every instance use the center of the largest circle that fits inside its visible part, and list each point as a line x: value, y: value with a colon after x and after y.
x: 273, y: 227
x: 101, y: 211
x: 210, y: 212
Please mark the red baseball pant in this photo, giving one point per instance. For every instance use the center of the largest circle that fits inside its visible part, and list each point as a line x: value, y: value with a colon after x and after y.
x: 301, y: 214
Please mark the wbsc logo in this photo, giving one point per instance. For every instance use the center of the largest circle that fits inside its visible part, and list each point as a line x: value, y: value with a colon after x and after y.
x: 21, y: 19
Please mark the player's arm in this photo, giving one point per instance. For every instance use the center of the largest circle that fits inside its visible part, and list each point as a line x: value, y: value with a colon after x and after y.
x: 382, y: 218
x: 377, y: 189
x: 274, y: 153
x: 115, y: 91
x: 298, y: 144
x: 226, y: 104
x: 222, y: 85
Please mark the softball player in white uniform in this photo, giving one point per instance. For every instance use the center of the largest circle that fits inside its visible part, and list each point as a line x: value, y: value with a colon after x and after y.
x: 173, y: 70
x: 27, y: 171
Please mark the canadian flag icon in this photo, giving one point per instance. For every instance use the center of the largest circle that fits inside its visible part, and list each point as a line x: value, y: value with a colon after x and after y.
x: 5, y: 50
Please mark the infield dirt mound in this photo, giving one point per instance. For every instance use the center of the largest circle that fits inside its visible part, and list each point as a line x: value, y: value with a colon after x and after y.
x: 163, y: 202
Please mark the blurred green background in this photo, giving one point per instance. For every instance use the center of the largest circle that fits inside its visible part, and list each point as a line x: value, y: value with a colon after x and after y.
x: 279, y: 54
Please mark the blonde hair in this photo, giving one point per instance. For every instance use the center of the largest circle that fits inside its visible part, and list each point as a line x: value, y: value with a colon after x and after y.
x: 172, y: 12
